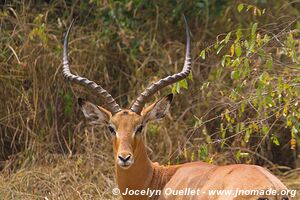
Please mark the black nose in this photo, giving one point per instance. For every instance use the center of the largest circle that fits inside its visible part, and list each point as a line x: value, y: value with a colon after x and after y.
x: 124, y: 159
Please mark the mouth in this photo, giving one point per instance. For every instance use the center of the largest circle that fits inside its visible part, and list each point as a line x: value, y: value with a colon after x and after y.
x: 126, y: 165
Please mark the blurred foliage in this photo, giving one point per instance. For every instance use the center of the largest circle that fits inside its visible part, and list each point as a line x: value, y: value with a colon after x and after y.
x: 240, y: 105
x: 258, y: 76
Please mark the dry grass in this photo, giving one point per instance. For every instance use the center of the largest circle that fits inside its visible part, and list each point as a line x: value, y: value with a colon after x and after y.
x: 66, y: 179
x: 46, y: 151
x: 86, y: 175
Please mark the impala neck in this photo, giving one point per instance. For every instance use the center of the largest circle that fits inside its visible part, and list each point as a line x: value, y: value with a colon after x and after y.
x: 139, y: 175
x: 143, y: 174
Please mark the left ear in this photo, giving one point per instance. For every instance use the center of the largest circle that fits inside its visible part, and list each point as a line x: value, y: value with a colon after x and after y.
x: 157, y: 110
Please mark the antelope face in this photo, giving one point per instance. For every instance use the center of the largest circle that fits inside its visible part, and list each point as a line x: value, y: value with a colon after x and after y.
x: 126, y: 126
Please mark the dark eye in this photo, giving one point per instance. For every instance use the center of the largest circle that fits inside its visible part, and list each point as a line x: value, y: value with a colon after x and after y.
x: 112, y: 130
x: 139, y: 129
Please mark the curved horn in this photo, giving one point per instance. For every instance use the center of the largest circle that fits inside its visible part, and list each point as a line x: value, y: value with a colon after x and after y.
x: 108, y: 99
x: 154, y: 87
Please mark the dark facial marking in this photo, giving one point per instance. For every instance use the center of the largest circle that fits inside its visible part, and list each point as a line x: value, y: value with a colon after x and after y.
x: 112, y: 130
x: 139, y: 129
x: 125, y: 113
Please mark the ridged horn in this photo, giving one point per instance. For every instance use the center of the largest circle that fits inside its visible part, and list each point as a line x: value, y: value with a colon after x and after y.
x: 109, y: 101
x: 154, y: 87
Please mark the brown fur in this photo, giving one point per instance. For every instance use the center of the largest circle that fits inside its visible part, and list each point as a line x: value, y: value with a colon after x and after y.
x: 143, y: 174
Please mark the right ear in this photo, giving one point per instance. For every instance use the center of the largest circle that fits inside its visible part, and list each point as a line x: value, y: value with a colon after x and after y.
x: 95, y: 115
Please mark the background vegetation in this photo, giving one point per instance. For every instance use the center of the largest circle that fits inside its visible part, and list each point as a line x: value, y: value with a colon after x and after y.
x: 241, y: 104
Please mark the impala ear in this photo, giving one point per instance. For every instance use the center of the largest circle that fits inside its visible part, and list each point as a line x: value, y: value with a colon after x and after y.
x: 158, y: 110
x: 95, y: 115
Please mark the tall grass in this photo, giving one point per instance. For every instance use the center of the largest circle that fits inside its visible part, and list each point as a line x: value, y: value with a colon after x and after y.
x: 46, y: 148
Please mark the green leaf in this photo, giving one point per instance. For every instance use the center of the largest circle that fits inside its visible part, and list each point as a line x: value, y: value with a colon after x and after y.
x: 238, y: 34
x: 275, y: 140
x: 248, y: 133
x: 243, y: 106
x: 232, y: 50
x: 246, y: 67
x: 249, y: 7
x: 256, y: 11
x: 265, y: 129
x: 269, y: 100
x: 219, y: 49
x: 240, y: 7
x: 227, y: 38
x: 190, y: 76
x: 236, y: 62
x: 202, y: 54
x: 223, y: 131
x: 246, y: 44
x: 183, y: 84
x: 225, y: 60
x: 227, y: 116
x: 269, y: 63
x: 216, y: 45
x: 174, y: 88
x: 253, y: 30
x: 238, y: 49
x: 235, y: 75
x: 298, y: 25
x: 177, y: 86
x: 294, y: 132
x: 202, y: 153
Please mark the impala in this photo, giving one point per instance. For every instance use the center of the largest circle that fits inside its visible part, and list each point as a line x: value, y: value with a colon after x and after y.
x: 136, y: 172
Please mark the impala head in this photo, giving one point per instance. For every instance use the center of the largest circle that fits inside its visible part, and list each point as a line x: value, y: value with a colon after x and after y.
x: 126, y: 125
